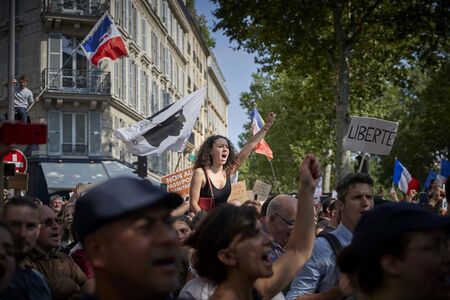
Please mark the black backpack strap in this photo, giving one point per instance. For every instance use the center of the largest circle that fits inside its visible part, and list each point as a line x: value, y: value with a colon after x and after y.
x: 332, y: 240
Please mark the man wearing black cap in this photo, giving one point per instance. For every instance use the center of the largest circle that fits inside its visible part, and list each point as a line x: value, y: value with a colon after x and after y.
x: 399, y: 251
x: 124, y: 226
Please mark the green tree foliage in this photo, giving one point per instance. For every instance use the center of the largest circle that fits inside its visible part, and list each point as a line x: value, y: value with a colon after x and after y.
x: 423, y: 137
x: 305, y: 122
x: 202, y: 24
x: 355, y: 49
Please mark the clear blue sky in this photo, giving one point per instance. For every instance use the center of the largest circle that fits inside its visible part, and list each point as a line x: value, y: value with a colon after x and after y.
x: 236, y: 66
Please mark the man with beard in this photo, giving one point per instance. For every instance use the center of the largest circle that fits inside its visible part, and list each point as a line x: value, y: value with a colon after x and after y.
x: 125, y: 227
x: 65, y: 278
x: 22, y: 217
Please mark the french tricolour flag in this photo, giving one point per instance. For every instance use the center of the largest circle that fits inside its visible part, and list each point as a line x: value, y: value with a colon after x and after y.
x: 403, y: 179
x: 257, y: 123
x: 104, y: 42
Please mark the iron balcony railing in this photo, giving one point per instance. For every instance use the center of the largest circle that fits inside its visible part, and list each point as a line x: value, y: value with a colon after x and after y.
x: 77, y: 7
x: 77, y: 149
x: 78, y: 81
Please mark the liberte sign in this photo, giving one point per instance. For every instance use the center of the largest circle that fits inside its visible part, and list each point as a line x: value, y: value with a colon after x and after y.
x: 370, y: 135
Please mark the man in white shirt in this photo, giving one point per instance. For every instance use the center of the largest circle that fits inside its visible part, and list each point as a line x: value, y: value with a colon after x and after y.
x: 23, y: 98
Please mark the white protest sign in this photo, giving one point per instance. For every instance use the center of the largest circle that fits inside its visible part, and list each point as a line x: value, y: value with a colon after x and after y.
x: 238, y: 192
x: 370, y: 135
x: 250, y: 195
x: 261, y: 189
x: 318, y: 191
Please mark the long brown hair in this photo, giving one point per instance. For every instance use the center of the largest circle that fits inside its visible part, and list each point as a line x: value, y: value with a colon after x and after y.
x: 204, y: 158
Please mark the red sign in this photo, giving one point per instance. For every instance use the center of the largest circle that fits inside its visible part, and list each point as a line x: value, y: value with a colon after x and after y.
x: 18, y: 158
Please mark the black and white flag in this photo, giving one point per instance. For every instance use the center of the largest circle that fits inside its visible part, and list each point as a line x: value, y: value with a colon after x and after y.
x: 167, y: 129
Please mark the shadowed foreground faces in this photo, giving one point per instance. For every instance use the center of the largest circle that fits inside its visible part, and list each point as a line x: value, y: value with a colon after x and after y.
x: 137, y: 252
x: 23, y: 220
x: 399, y: 251
x: 7, y: 260
x: 129, y: 239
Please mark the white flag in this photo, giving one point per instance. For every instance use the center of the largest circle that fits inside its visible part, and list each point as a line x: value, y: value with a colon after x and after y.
x: 167, y: 129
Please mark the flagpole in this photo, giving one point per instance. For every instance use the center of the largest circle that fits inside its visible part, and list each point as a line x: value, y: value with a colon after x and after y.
x: 54, y: 77
x: 67, y: 60
x: 274, y: 177
x: 362, y: 162
x: 178, y: 162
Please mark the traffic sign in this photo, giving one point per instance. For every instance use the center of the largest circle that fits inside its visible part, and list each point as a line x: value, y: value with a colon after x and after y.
x: 18, y: 158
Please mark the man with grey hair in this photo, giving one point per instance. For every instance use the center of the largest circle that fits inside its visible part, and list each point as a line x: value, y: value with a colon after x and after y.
x: 280, y: 218
x: 56, y: 203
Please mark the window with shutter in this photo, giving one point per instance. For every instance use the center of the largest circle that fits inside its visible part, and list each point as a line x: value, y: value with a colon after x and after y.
x: 142, y: 91
x: 117, y: 11
x: 130, y: 81
x: 161, y: 57
x: 74, y: 134
x: 135, y: 97
x: 123, y: 77
x: 54, y: 60
x: 134, y: 24
x: 116, y: 78
x: 95, y: 136
x: 54, y: 132
x: 166, y: 62
x: 155, y: 98
x: 154, y: 58
x: 149, y: 97
x: 143, y: 34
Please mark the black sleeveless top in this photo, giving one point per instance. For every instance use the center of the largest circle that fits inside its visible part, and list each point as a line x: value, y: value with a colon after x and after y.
x: 220, y: 195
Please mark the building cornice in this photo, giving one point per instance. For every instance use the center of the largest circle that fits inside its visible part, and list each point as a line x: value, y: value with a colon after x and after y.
x: 124, y: 108
x: 178, y: 11
x: 195, y: 27
x: 221, y: 89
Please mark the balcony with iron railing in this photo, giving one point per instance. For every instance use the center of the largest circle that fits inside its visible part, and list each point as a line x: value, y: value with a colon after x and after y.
x: 77, y: 7
x: 77, y: 81
x: 75, y: 150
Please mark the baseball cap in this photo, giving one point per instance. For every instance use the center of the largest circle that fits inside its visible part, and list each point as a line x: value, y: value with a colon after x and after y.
x: 116, y: 198
x: 381, y: 225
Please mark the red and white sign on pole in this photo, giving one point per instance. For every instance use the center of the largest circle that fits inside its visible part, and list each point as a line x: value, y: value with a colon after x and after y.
x: 18, y: 158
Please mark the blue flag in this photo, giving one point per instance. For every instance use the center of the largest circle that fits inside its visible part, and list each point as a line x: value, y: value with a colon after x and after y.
x: 431, y: 175
x: 104, y: 42
x: 445, y: 168
x: 402, y: 177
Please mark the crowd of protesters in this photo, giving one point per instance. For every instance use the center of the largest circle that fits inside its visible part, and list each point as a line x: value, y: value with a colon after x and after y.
x: 128, y: 239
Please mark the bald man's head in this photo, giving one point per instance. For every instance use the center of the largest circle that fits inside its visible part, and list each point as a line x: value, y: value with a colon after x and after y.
x: 49, y: 232
x: 281, y: 215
